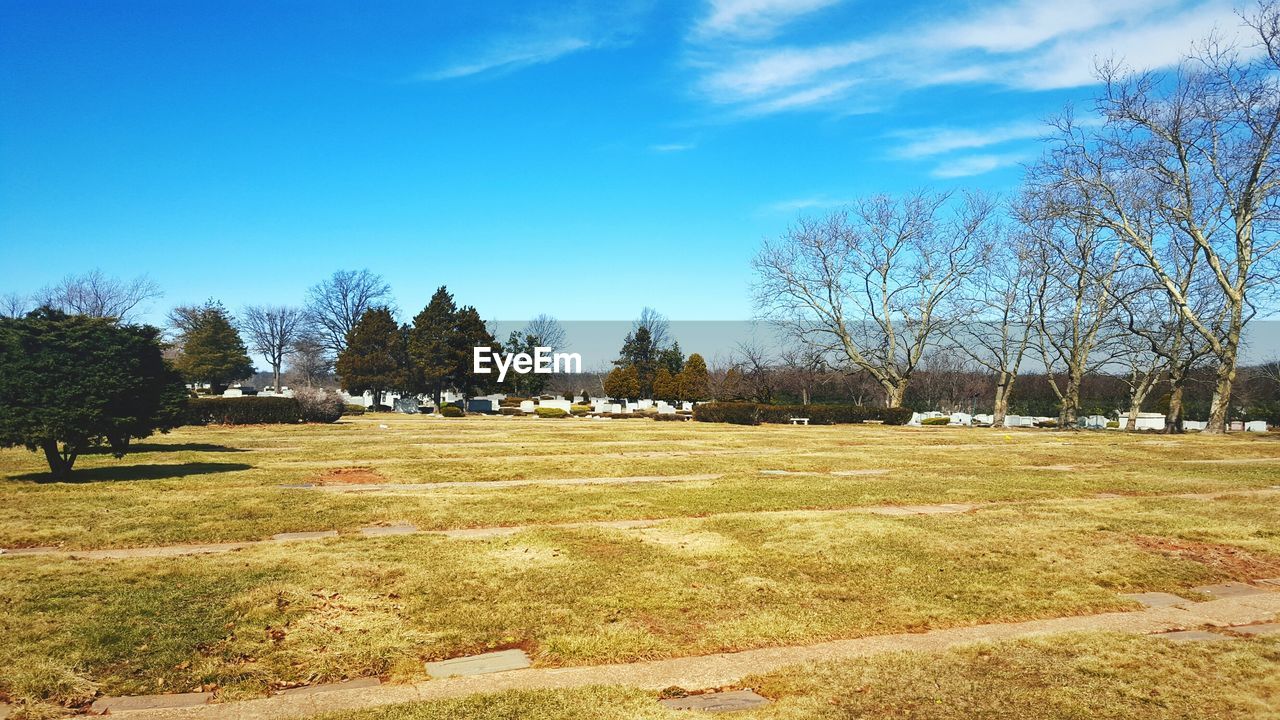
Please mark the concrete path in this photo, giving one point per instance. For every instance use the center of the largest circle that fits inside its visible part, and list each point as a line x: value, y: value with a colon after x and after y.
x: 488, y: 484
x: 728, y: 669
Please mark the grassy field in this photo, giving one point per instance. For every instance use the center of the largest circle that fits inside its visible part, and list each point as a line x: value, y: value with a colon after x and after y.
x: 745, y: 560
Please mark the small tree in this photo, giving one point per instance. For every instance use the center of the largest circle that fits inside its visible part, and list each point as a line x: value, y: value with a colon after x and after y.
x: 72, y: 382
x: 375, y: 358
x: 274, y: 333
x: 693, y: 381
x: 430, y: 353
x: 665, y: 386
x: 212, y: 351
x: 622, y: 383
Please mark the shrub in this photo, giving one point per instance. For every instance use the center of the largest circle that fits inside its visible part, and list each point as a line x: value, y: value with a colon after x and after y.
x: 352, y: 409
x: 512, y: 401
x: 243, y: 411
x: 671, y: 416
x: 579, y: 409
x: 936, y: 421
x: 728, y: 412
x: 452, y: 411
x: 317, y: 405
x: 623, y: 416
x: 1113, y: 423
x: 754, y: 414
x: 550, y: 412
x: 1047, y: 424
x: 509, y: 411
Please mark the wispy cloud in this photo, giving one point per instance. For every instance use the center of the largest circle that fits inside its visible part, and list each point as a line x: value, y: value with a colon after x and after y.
x: 672, y: 147
x: 756, y: 18
x: 816, y: 202
x: 927, y: 142
x: 510, y: 56
x: 1023, y: 45
x: 968, y: 165
x: 540, y: 36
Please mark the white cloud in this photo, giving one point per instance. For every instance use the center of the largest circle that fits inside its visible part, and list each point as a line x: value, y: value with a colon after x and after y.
x: 1018, y: 44
x: 937, y: 141
x: 967, y: 165
x: 816, y: 202
x: 510, y: 56
x: 754, y: 17
x: 672, y: 147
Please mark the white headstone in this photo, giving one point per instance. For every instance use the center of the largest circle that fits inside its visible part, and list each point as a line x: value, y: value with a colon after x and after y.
x: 1256, y: 426
x: 526, y: 406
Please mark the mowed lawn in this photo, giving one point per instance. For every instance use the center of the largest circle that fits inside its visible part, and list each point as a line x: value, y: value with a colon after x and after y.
x: 745, y: 559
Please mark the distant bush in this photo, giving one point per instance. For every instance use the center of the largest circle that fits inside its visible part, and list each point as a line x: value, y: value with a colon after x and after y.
x: 510, y: 411
x: 352, y: 409
x: 579, y: 409
x: 1047, y: 424
x: 754, y: 414
x: 728, y: 412
x: 317, y: 405
x: 550, y: 412
x: 452, y: 411
x: 512, y: 401
x: 242, y: 411
x: 1113, y: 423
x: 623, y: 416
x: 936, y: 421
x: 672, y: 416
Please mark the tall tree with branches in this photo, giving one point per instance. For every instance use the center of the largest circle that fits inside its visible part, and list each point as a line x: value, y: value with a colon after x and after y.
x: 99, y: 295
x: 336, y: 304
x: 273, y: 332
x: 1197, y: 148
x: 874, y: 283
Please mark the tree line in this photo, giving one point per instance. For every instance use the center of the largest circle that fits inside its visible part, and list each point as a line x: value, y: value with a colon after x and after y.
x: 1141, y: 245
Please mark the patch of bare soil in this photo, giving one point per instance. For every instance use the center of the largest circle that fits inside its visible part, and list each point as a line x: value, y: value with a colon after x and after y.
x: 349, y: 476
x: 1240, y: 564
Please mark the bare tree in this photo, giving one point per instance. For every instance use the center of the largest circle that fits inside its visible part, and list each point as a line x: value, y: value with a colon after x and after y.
x: 1074, y: 268
x: 801, y: 369
x: 14, y: 305
x: 872, y: 282
x: 309, y: 362
x: 98, y: 295
x: 547, y: 330
x: 1198, y: 149
x: 273, y: 332
x: 758, y: 379
x: 335, y: 305
x: 657, y: 325
x: 1000, y: 311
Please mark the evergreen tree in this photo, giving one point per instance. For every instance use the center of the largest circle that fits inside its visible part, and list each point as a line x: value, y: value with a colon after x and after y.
x: 431, y: 353
x: 375, y: 358
x: 640, y: 353
x: 527, y: 384
x: 671, y: 358
x: 622, y: 383
x: 469, y: 332
x: 693, y: 380
x: 665, y: 386
x: 212, y: 351
x: 71, y: 382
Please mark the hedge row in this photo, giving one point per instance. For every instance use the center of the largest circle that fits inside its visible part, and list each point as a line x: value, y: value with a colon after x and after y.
x: 742, y: 413
x: 242, y: 411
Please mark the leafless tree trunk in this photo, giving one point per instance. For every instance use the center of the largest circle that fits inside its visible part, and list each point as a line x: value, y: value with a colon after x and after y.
x: 273, y: 332
x: 873, y: 283
x: 1074, y: 269
x: 1198, y: 149
x: 1001, y: 321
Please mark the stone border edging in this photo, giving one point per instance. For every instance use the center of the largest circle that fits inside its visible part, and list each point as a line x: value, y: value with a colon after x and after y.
x: 728, y: 669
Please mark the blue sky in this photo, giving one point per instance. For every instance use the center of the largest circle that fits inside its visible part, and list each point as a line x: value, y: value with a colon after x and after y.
x: 555, y: 157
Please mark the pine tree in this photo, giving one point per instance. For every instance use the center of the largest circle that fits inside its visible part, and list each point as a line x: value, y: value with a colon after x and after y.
x: 431, y: 353
x: 375, y: 358
x: 693, y: 381
x: 665, y: 386
x: 212, y: 351
x: 622, y: 383
x: 469, y: 333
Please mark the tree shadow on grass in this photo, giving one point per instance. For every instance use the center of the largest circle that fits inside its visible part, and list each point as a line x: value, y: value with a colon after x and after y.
x: 150, y: 471
x: 167, y: 447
